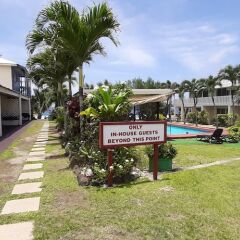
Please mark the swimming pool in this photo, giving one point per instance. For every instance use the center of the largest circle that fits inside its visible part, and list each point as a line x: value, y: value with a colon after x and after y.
x: 177, y: 130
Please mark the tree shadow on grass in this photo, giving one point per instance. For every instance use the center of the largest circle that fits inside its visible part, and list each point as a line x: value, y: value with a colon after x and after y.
x: 55, y: 156
x: 53, y: 143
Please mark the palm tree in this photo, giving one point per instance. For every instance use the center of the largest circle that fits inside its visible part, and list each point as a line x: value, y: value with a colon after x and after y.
x: 194, y: 87
x: 47, y: 68
x: 79, y: 34
x: 231, y: 74
x: 181, y: 91
x: 210, y: 85
x: 41, y: 101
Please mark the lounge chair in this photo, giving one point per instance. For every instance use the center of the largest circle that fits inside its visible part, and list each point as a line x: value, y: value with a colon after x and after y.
x: 215, y: 137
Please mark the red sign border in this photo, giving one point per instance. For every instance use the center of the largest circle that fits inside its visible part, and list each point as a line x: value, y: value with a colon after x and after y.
x: 101, y: 124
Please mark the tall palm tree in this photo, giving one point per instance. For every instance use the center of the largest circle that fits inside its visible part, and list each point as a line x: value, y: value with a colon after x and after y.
x: 78, y: 34
x: 40, y: 101
x: 194, y: 87
x: 210, y: 85
x: 231, y: 74
x: 181, y: 91
x: 47, y: 68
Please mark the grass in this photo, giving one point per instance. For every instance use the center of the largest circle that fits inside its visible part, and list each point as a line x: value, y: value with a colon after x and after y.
x: 198, y: 204
x: 192, y: 152
x: 21, y: 142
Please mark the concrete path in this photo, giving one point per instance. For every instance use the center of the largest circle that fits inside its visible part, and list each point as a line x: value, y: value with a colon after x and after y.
x: 211, y: 164
x: 17, y: 231
x: 24, y: 230
x: 206, y: 165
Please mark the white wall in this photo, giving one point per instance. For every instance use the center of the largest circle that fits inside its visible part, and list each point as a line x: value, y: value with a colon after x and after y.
x: 6, y: 76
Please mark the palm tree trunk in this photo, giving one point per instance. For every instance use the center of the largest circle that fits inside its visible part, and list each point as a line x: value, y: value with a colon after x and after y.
x: 70, y: 86
x: 184, y: 114
x: 81, y: 84
x: 59, y: 94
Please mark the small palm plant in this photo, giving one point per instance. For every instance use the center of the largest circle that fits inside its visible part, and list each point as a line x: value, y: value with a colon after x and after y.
x: 107, y: 104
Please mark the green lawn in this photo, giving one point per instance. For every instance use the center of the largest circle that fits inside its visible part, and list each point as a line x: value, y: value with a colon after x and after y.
x: 197, y: 204
x: 22, y: 141
x: 192, y: 152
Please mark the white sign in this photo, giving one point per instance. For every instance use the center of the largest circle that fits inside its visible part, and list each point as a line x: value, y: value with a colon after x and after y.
x: 116, y: 134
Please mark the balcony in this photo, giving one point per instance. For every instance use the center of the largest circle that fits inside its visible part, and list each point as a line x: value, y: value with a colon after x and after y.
x: 205, y: 101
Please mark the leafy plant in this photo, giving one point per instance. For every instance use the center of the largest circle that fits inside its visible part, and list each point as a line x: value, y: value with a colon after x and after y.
x: 108, y: 104
x: 166, y: 150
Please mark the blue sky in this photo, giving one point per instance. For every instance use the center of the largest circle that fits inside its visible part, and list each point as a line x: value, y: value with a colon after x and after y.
x: 167, y: 39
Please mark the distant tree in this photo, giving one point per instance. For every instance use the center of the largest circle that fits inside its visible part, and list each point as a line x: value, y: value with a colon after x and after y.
x: 231, y: 74
x: 194, y: 87
x: 181, y: 91
x: 210, y: 85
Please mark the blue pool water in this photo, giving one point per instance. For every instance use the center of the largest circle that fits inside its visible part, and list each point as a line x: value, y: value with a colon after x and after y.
x: 183, y: 130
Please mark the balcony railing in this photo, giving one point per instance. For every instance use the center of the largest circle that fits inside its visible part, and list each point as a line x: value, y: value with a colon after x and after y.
x: 205, y: 101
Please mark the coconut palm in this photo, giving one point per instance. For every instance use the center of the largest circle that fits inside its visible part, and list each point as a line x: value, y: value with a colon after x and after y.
x: 47, y: 68
x: 210, y: 85
x: 41, y: 101
x: 231, y: 74
x: 194, y: 87
x: 181, y: 91
x: 79, y: 34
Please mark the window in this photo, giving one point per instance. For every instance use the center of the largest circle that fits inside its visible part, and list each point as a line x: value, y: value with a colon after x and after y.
x: 222, y: 92
x: 222, y: 110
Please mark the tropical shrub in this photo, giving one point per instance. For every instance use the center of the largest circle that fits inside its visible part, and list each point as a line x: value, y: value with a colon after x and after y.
x: 226, y: 120
x: 60, y: 117
x: 103, y: 104
x: 166, y: 150
x: 200, y: 117
x: 108, y: 104
x: 234, y: 133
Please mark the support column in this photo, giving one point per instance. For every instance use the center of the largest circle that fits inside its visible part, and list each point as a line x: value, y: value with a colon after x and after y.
x: 230, y: 109
x: 29, y: 109
x: 20, y: 110
x: 0, y: 116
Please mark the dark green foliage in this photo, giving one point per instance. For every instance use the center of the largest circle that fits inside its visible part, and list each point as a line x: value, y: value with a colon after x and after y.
x: 200, y: 117
x: 166, y: 150
x: 226, y: 120
x: 105, y: 104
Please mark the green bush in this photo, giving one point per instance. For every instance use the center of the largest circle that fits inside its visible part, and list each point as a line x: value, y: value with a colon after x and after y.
x: 104, y: 104
x: 201, y: 117
x: 60, y: 117
x: 166, y: 150
x: 226, y: 120
x: 234, y: 133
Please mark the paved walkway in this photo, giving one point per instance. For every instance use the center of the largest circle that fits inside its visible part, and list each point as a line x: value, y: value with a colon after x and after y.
x: 211, y: 164
x: 205, y: 165
x: 32, y: 170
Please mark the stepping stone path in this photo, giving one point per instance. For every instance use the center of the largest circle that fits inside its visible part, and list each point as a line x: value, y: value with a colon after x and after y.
x: 32, y: 166
x: 17, y: 231
x: 27, y: 188
x: 31, y: 175
x: 24, y: 230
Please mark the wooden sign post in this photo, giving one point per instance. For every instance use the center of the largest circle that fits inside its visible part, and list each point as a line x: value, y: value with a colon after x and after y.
x: 124, y: 134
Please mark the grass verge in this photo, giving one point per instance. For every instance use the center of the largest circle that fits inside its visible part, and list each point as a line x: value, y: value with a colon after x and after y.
x: 197, y: 204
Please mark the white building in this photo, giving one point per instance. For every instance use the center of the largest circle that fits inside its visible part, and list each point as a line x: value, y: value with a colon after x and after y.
x: 15, y: 95
x: 222, y: 98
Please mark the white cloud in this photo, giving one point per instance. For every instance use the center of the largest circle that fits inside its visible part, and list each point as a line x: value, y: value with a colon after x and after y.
x: 132, y: 55
x: 196, y: 46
